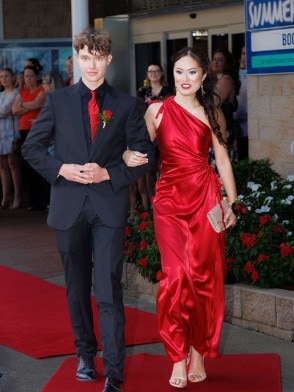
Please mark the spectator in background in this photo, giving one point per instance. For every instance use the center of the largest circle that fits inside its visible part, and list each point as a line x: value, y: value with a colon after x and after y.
x: 20, y: 81
x: 240, y: 116
x: 52, y: 81
x: 227, y: 88
x: 69, y: 71
x: 33, y: 62
x: 9, y: 143
x: 155, y: 88
x: 27, y: 106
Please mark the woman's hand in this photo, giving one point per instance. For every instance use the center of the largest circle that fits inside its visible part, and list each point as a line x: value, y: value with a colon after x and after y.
x: 134, y: 158
x: 230, y: 219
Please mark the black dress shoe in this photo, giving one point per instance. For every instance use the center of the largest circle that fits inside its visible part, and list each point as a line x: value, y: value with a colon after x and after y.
x: 86, y: 369
x: 112, y: 385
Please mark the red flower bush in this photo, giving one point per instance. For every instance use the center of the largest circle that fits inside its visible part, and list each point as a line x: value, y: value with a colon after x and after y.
x: 259, y: 248
x: 248, y: 239
x: 141, y: 247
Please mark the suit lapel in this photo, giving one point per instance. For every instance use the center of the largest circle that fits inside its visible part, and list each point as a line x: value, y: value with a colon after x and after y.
x: 79, y: 139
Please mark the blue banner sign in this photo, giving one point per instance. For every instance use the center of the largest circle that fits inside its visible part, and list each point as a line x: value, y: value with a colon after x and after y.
x: 269, y: 36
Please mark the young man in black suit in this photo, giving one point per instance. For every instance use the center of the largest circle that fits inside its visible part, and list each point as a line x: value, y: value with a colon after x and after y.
x: 89, y: 197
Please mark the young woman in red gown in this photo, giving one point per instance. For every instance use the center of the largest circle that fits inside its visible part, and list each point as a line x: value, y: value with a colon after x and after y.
x: 190, y: 302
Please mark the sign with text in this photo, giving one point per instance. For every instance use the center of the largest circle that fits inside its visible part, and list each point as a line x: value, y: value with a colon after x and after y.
x: 269, y: 36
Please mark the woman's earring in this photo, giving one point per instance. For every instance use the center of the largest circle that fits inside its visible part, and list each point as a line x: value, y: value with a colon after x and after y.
x: 202, y: 90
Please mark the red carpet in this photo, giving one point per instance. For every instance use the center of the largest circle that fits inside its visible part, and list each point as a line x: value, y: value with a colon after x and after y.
x: 146, y: 373
x: 34, y: 318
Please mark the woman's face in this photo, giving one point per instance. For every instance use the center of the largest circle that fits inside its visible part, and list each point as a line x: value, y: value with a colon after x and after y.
x: 219, y: 63
x: 30, y: 78
x: 48, y: 87
x: 154, y: 73
x: 69, y: 67
x: 6, y: 79
x: 188, y: 76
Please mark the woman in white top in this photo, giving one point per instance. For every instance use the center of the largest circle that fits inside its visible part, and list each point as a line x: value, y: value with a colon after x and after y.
x: 9, y: 139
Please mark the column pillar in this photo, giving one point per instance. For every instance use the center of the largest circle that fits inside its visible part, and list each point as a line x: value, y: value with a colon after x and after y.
x: 1, y: 20
x: 79, y: 21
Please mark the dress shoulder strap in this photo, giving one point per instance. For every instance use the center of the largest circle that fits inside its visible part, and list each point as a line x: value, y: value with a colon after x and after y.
x: 160, y: 110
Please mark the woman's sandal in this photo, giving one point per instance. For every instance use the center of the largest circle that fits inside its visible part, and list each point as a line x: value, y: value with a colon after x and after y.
x: 178, y: 382
x: 197, y: 377
x: 194, y: 377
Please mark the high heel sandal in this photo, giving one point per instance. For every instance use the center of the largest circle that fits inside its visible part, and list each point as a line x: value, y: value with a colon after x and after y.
x: 197, y: 377
x: 179, y: 381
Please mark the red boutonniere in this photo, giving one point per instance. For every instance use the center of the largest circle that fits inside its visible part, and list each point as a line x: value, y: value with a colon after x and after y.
x: 106, y: 116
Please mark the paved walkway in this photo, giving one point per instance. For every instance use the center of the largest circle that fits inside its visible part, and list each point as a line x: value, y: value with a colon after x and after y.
x: 28, y: 245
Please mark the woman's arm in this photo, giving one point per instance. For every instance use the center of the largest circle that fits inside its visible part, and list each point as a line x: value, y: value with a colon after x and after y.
x: 152, y: 119
x: 225, y: 88
x: 225, y: 169
x: 136, y: 158
x: 17, y: 109
x: 6, y: 107
x: 36, y: 104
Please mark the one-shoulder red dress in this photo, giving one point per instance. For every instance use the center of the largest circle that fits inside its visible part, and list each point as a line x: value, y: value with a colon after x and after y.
x: 190, y: 301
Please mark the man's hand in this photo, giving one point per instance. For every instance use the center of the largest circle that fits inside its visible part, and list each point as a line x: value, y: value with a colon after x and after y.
x: 89, y: 173
x: 95, y: 173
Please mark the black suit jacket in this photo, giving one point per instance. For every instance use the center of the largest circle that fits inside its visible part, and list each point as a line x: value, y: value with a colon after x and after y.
x: 61, y: 119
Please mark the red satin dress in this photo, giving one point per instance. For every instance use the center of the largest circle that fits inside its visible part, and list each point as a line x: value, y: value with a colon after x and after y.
x: 190, y: 301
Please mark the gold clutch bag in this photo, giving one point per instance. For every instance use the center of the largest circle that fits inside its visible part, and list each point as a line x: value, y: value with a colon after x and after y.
x: 216, y: 215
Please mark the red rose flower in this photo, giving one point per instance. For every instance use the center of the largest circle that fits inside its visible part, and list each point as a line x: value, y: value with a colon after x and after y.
x: 230, y: 260
x: 248, y: 239
x: 142, y: 226
x: 127, y: 231
x: 106, y: 116
x: 286, y: 250
x: 264, y: 219
x: 159, y: 275
x: 262, y: 257
x: 144, y: 215
x: 255, y: 275
x: 277, y: 229
x: 143, y: 261
x: 143, y: 245
x: 249, y: 267
x: 240, y: 209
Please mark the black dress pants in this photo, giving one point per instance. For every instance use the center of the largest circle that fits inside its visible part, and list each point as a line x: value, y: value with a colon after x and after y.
x: 93, y: 252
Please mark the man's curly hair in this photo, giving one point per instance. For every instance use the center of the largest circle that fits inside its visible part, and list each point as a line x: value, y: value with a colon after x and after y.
x: 96, y: 40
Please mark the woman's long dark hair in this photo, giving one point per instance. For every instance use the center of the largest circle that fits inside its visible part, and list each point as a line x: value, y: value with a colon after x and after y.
x: 207, y: 98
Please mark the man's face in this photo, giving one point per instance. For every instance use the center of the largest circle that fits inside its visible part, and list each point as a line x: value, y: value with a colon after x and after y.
x: 93, y: 67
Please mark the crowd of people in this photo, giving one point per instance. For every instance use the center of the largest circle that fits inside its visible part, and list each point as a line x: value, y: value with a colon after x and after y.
x: 98, y: 148
x: 21, y: 99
